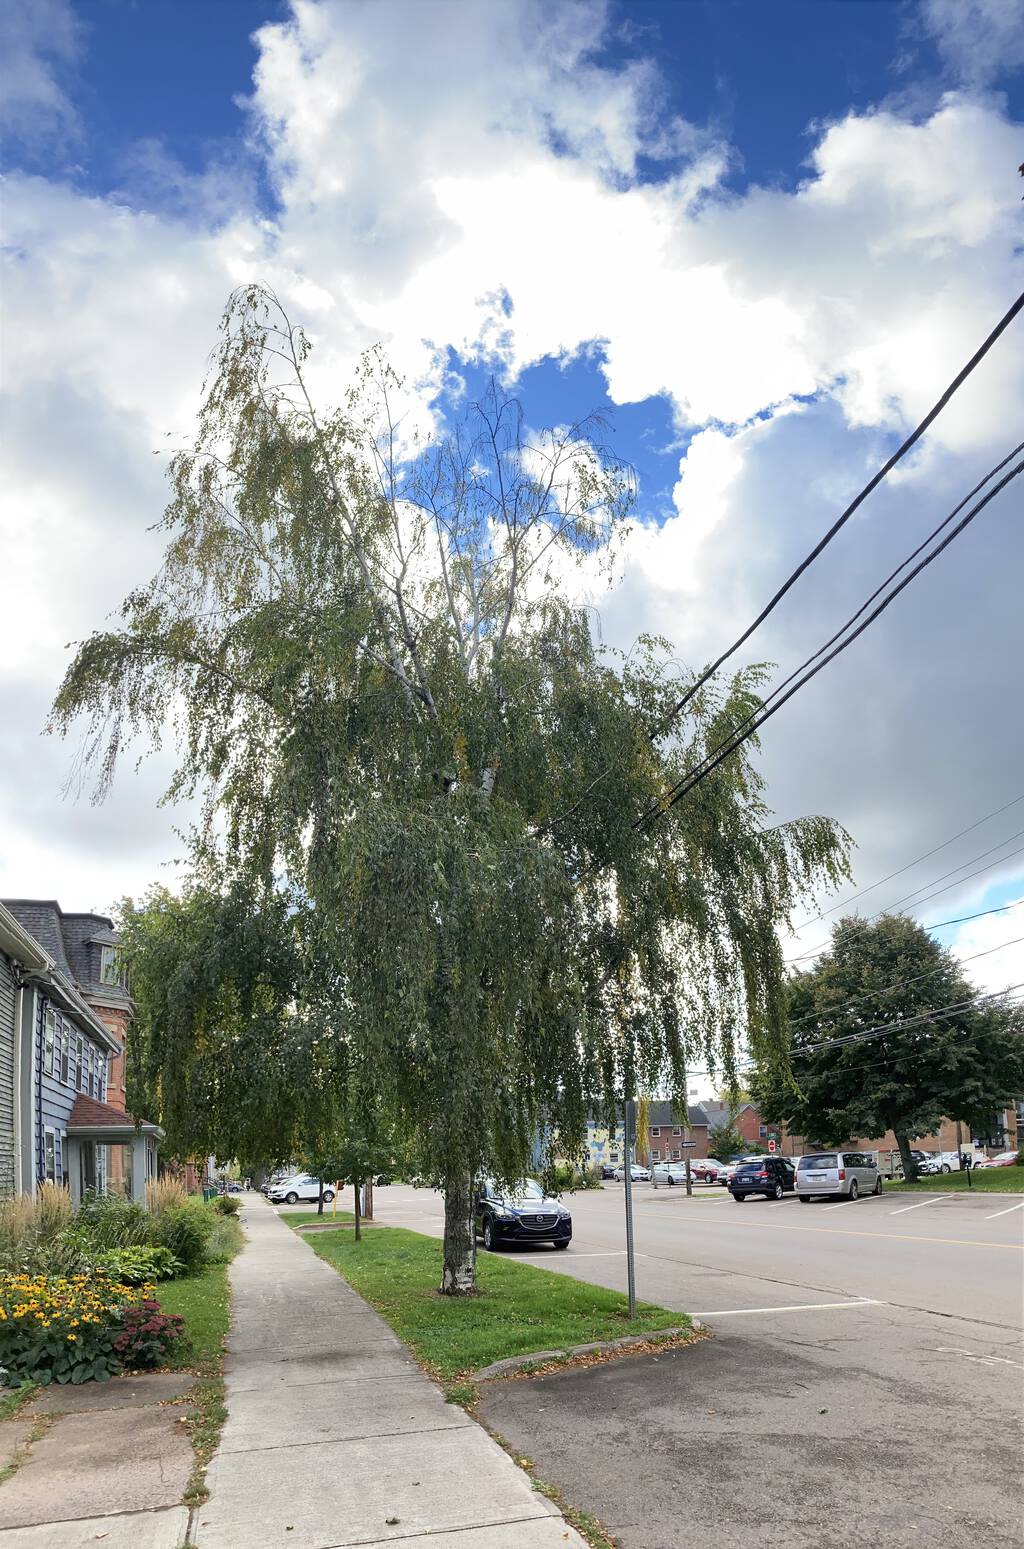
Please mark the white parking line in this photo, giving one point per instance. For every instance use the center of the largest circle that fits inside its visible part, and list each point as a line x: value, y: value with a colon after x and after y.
x: 739, y: 1312
x: 839, y: 1205
x: 1005, y: 1212
x: 921, y: 1202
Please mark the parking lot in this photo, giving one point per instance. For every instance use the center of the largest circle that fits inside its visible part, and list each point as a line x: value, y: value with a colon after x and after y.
x: 863, y: 1386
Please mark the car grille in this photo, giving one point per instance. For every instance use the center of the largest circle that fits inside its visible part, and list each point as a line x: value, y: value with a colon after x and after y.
x: 540, y: 1223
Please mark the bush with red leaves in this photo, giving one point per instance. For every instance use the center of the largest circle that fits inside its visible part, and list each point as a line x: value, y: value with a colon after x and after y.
x: 148, y: 1335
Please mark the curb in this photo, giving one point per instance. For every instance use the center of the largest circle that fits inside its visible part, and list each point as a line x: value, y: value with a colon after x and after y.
x: 600, y: 1347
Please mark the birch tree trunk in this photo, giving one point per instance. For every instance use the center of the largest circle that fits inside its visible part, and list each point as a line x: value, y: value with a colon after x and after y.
x: 459, y: 1275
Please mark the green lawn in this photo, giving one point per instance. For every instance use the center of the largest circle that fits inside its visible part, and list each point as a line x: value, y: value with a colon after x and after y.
x: 520, y: 1309
x: 989, y: 1180
x: 204, y: 1301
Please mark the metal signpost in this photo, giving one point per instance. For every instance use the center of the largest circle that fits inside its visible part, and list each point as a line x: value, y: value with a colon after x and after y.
x: 628, y: 1178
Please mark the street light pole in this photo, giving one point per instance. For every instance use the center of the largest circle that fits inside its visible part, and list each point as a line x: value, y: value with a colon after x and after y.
x: 628, y: 1179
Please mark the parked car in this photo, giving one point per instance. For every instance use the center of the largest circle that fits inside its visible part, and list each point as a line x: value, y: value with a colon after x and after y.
x: 737, y: 1161
x: 928, y: 1162
x: 706, y: 1170
x: 607, y: 1170
x: 669, y: 1172
x: 523, y: 1214
x: 1004, y: 1159
x: 847, y: 1173
x: 300, y: 1187
x: 771, y: 1176
x: 640, y: 1174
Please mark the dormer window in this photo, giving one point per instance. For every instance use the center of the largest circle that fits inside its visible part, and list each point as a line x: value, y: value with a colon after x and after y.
x: 111, y: 967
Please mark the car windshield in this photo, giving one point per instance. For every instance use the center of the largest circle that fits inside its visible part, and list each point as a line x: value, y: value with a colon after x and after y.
x: 528, y: 1190
x: 750, y: 1167
x: 827, y: 1160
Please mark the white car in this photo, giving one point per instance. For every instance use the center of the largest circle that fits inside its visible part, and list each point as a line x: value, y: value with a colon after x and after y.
x: 301, y: 1187
x: 669, y: 1172
x: 640, y: 1174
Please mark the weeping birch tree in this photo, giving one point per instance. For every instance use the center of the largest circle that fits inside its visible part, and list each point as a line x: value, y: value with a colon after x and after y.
x: 373, y: 671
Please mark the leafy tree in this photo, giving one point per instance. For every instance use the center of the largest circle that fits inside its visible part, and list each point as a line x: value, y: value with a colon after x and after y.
x: 726, y: 1141
x: 960, y: 1065
x: 410, y: 744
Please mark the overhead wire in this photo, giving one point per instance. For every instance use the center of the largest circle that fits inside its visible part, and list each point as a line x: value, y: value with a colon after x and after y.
x: 813, y: 919
x: 710, y: 761
x: 845, y: 516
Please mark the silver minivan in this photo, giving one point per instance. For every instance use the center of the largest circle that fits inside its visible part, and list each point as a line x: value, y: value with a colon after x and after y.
x: 847, y: 1173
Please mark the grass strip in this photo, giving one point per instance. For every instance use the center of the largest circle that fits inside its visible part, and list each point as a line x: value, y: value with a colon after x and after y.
x: 303, y: 1217
x: 204, y: 1301
x: 518, y: 1309
x: 12, y: 1399
x: 987, y: 1180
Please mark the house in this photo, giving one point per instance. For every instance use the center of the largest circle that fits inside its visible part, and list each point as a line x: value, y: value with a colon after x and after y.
x: 1002, y: 1132
x: 745, y: 1118
x: 667, y: 1135
x: 606, y: 1146
x: 67, y: 1118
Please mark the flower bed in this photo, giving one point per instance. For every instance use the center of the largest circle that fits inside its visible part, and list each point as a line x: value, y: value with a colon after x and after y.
x: 79, y: 1328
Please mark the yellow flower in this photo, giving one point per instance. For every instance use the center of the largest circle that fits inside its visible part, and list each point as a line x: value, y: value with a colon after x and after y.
x: 71, y: 1340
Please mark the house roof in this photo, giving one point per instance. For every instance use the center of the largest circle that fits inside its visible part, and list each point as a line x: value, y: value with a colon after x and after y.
x: 662, y: 1114
x: 88, y: 1113
x: 719, y: 1114
x: 71, y: 941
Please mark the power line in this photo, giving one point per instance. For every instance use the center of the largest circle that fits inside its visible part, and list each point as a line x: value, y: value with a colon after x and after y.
x: 841, y: 521
x: 832, y: 1011
x: 891, y: 908
x: 885, y: 1029
x: 813, y: 920
x: 692, y: 777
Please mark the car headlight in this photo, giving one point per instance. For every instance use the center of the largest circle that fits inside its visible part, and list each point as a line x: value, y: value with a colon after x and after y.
x: 503, y: 1212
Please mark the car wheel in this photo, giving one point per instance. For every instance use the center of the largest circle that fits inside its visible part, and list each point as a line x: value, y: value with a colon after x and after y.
x: 488, y: 1235
x: 854, y: 1191
x: 328, y: 1196
x: 805, y: 1199
x: 946, y: 1167
x: 292, y: 1198
x: 777, y: 1192
x: 739, y: 1198
x: 561, y: 1245
x: 671, y: 1181
x: 878, y: 1186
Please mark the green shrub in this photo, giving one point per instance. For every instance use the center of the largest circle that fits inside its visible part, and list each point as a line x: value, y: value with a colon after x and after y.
x: 111, y: 1221
x: 225, y: 1239
x: 227, y: 1204
x: 137, y: 1266
x: 563, y: 1178
x: 185, y: 1229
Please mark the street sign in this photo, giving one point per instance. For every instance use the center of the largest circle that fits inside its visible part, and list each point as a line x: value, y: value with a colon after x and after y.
x: 688, y: 1142
x: 771, y: 1147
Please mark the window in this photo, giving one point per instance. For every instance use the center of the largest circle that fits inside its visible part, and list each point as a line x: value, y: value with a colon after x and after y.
x: 91, y: 1071
x: 613, y: 1156
x: 762, y: 1131
x: 65, y: 1049
x: 655, y: 1129
x: 677, y: 1155
x: 677, y: 1130
x: 79, y: 1068
x: 104, y: 1078
x: 49, y: 1038
x: 50, y: 1155
x: 111, y: 968
x: 655, y: 1153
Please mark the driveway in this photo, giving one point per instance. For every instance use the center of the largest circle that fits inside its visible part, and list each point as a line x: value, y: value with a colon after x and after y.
x: 863, y: 1387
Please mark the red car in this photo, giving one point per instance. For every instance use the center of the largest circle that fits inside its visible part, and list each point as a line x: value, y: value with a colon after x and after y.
x: 706, y: 1170
x: 1004, y: 1159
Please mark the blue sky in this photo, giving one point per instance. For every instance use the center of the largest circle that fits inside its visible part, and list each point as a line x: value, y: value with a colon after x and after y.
x: 761, y: 236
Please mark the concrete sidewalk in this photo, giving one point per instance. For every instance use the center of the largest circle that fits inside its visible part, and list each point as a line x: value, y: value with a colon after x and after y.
x: 336, y: 1437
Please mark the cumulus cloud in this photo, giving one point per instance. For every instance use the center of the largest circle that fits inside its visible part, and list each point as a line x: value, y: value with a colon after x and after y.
x: 477, y: 188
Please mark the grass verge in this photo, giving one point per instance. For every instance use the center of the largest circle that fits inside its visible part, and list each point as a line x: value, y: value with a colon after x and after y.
x: 204, y: 1301
x: 303, y: 1217
x: 519, y: 1309
x: 989, y: 1180
x: 12, y: 1399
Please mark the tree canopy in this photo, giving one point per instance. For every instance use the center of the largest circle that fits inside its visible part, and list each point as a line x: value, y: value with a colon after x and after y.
x: 962, y: 1064
x: 422, y: 776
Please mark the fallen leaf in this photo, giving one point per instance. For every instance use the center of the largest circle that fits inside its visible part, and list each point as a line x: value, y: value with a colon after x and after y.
x: 391, y: 1521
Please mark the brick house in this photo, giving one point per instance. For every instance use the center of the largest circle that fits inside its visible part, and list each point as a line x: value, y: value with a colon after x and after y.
x: 667, y: 1134
x: 746, y: 1120
x: 1003, y: 1133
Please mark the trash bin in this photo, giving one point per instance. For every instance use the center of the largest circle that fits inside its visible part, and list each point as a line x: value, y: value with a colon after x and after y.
x: 209, y: 1194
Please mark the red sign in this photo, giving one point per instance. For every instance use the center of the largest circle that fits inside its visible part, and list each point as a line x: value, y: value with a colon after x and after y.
x: 771, y: 1147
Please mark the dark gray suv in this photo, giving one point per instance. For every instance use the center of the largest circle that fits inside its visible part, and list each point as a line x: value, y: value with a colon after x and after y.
x: 771, y: 1176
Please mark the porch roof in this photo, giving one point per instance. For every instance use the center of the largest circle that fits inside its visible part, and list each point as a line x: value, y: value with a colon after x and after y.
x: 92, y: 1120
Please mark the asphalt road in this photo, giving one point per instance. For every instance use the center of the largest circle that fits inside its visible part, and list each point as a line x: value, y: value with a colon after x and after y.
x: 863, y: 1387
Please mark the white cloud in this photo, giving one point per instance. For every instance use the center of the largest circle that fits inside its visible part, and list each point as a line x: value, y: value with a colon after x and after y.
x: 39, y: 40
x: 980, y: 40
x: 1001, y: 937
x: 475, y: 187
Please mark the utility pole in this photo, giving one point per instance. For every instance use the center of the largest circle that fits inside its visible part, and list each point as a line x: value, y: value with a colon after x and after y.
x: 628, y: 1119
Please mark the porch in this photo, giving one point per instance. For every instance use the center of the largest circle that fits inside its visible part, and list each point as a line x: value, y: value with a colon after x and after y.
x: 92, y: 1127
